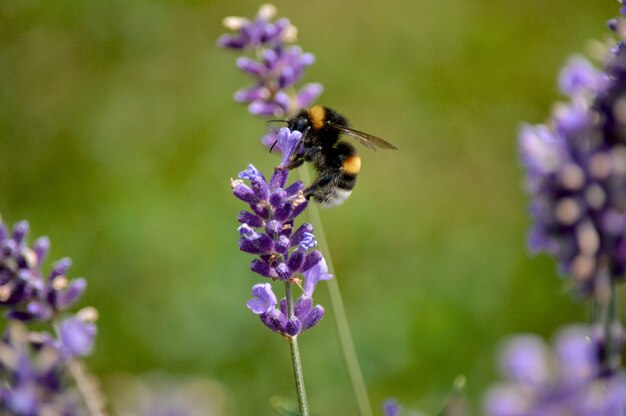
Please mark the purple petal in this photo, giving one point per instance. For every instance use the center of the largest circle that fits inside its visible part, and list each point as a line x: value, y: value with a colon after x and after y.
x: 252, y: 67
x: 302, y: 307
x: 244, y: 193
x: 289, y: 141
x: 77, y: 336
x: 311, y: 259
x: 298, y: 235
x: 283, y: 272
x: 313, y: 275
x: 262, y: 108
x: 308, y: 94
x: 524, y: 359
x: 262, y: 268
x: 279, y: 178
x: 307, y: 242
x: 575, y: 354
x: 252, y: 94
x: 60, y: 268
x: 282, y: 244
x: 20, y: 230
x: 251, y: 219
x: 391, y: 407
x: 316, y: 314
x: 578, y: 75
x: 233, y: 42
x: 296, y: 260
x: 71, y: 294
x: 293, y: 327
x: 264, y: 299
x: 41, y: 247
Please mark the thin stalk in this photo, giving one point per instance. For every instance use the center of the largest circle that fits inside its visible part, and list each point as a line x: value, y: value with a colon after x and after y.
x: 604, y: 307
x: 295, y: 358
x: 88, y: 392
x: 345, y: 337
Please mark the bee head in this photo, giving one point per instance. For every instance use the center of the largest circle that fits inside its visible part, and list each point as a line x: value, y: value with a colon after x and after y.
x: 299, y: 123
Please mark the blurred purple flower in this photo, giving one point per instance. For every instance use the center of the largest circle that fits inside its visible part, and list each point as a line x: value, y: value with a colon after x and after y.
x: 24, y: 293
x: 275, y: 68
x: 77, y: 336
x: 391, y: 407
x: 576, y: 174
x: 33, y: 375
x: 566, y: 381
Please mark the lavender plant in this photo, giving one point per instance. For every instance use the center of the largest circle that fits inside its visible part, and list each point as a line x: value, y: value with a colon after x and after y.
x: 37, y: 367
x: 267, y: 231
x: 276, y: 65
x: 576, y: 177
x: 566, y: 381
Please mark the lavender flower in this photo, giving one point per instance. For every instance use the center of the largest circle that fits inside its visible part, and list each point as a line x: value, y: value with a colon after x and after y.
x: 264, y: 304
x: 276, y: 67
x: 267, y: 231
x: 567, y: 381
x: 391, y: 407
x: 24, y: 293
x: 34, y: 376
x: 37, y: 366
x: 576, y: 174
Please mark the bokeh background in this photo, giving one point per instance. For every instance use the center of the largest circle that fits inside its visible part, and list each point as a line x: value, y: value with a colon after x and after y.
x: 118, y: 137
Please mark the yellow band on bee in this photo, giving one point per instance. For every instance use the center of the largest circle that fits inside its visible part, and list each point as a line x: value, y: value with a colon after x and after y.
x: 352, y: 165
x: 317, y: 114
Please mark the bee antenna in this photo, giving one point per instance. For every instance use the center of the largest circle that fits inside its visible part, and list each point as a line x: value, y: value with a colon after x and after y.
x: 276, y: 121
x: 273, y: 146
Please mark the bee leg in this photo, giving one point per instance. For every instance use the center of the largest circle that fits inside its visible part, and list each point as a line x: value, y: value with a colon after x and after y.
x: 319, y: 183
x: 294, y: 162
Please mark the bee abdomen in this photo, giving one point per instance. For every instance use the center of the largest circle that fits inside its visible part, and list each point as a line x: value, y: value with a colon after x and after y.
x: 336, y: 193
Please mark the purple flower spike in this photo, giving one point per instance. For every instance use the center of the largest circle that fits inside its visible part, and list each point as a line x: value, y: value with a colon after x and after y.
x: 274, y: 66
x: 576, y: 176
x: 264, y: 299
x: 567, y: 381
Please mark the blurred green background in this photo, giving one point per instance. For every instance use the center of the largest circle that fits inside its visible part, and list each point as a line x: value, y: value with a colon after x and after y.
x: 118, y: 137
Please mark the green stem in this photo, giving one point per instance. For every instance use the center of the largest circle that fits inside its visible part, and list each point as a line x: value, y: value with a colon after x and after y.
x: 345, y: 337
x: 295, y: 358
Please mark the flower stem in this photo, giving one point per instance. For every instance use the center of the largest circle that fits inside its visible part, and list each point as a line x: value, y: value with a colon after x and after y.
x: 345, y: 337
x: 295, y: 358
x: 605, y: 308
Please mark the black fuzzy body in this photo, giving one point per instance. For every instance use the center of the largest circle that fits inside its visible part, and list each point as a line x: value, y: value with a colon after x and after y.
x: 328, y: 155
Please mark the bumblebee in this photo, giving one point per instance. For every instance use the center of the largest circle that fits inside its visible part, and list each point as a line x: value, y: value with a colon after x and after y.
x: 336, y: 162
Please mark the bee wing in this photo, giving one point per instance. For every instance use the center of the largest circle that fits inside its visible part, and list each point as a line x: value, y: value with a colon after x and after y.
x: 365, y: 139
